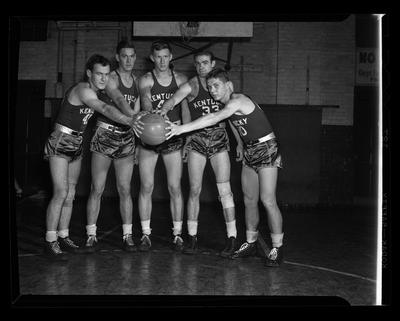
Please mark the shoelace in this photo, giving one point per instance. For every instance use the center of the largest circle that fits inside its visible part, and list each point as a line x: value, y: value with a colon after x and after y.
x: 55, y: 246
x: 91, y: 239
x: 127, y: 236
x: 146, y: 239
x: 70, y: 242
x: 243, y: 247
x: 178, y: 239
x: 273, y: 254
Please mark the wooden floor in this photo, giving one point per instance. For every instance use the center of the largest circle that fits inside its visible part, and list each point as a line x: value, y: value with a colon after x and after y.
x: 330, y: 254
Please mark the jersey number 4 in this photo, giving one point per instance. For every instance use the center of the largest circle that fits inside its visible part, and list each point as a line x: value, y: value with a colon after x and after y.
x: 86, y: 118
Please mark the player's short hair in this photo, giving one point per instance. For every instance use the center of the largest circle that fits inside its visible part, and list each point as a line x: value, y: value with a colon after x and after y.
x: 93, y: 60
x: 204, y: 53
x: 124, y: 43
x: 218, y: 73
x: 159, y: 45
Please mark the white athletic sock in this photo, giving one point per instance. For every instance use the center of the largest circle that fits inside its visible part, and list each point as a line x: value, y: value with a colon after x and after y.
x: 63, y: 233
x: 277, y: 239
x: 231, y: 228
x: 192, y: 227
x: 51, y: 236
x: 177, y: 229
x: 146, y: 227
x: 251, y: 236
x: 91, y: 229
x: 126, y: 229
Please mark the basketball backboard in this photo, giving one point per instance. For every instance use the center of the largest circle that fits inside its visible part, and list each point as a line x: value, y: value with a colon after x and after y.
x: 204, y: 29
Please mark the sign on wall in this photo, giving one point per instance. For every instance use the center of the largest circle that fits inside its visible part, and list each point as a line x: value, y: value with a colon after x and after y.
x: 367, y: 67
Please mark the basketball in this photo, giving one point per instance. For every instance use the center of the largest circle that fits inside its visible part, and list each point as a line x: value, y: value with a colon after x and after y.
x: 154, y: 131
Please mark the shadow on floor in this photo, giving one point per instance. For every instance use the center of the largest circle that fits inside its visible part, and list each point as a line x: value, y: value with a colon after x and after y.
x: 329, y: 253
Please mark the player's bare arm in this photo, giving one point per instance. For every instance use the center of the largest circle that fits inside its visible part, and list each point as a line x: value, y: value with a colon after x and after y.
x: 145, y: 84
x: 88, y: 97
x: 115, y: 94
x: 186, y: 118
x: 208, y: 120
x: 180, y: 78
x: 184, y: 90
x: 136, y: 107
x: 239, y: 146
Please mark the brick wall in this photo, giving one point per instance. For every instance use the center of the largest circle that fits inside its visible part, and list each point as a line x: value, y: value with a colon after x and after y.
x: 280, y: 62
x: 275, y: 61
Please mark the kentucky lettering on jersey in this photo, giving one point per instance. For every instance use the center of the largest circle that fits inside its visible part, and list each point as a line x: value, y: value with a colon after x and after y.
x: 161, y: 96
x: 130, y: 94
x: 204, y: 102
x: 73, y: 116
x: 130, y: 99
x: 240, y: 122
x: 85, y: 111
x: 253, y: 125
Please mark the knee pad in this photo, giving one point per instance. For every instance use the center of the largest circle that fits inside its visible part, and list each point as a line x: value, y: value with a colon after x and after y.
x: 225, y: 195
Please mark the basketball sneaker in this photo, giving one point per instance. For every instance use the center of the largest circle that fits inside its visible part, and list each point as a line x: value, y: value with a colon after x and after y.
x: 66, y: 244
x: 229, y: 247
x: 191, y: 248
x: 274, y: 257
x: 177, y: 243
x: 145, y: 243
x: 90, y: 245
x: 245, y: 250
x: 127, y: 244
x: 52, y: 250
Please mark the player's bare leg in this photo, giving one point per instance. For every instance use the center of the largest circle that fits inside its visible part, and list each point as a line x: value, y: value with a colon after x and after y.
x: 221, y: 165
x: 123, y: 175
x: 196, y: 165
x: 173, y: 165
x: 250, y: 188
x: 147, y: 164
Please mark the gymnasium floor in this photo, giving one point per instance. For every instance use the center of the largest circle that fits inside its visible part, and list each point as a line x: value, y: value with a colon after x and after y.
x: 329, y: 253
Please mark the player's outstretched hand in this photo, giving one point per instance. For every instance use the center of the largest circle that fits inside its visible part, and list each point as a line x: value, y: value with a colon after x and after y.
x: 163, y: 112
x: 136, y: 124
x: 172, y: 130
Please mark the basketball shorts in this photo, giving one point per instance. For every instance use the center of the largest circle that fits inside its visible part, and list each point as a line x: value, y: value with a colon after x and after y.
x: 209, y: 142
x: 112, y: 144
x: 63, y: 145
x: 262, y: 155
x: 169, y: 146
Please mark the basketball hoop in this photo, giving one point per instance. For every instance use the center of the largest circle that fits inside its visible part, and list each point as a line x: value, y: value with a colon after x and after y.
x: 189, y: 29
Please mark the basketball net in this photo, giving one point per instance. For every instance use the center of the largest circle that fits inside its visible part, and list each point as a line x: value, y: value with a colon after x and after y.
x: 188, y: 29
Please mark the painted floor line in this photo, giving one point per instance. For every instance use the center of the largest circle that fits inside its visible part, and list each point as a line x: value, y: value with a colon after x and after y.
x: 30, y: 254
x: 287, y: 262
x: 331, y: 270
x: 105, y: 234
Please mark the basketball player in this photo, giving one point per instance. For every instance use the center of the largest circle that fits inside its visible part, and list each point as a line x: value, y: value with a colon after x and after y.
x: 208, y: 143
x: 115, y: 143
x: 63, y: 149
x: 260, y: 164
x: 155, y: 87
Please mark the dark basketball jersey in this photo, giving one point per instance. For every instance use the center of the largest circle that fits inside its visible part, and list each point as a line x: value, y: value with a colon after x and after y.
x: 130, y: 94
x: 203, y: 103
x: 71, y: 116
x: 252, y: 126
x: 159, y: 94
